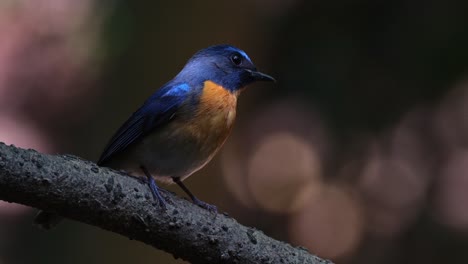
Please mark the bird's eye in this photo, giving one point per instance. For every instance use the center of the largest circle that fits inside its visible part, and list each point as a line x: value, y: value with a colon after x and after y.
x: 236, y: 59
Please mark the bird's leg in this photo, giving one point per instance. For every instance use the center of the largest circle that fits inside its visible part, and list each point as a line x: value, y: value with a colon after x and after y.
x: 154, y: 188
x: 195, y: 200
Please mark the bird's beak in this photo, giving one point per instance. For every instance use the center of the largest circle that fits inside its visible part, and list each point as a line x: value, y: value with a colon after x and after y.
x: 258, y: 76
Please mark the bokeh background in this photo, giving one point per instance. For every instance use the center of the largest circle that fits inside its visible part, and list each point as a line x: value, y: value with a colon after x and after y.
x: 359, y: 152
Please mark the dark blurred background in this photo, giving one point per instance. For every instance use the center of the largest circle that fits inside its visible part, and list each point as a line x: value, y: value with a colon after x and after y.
x: 359, y: 152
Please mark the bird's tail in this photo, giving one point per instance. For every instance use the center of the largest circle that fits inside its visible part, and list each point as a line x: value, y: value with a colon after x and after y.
x: 47, y: 220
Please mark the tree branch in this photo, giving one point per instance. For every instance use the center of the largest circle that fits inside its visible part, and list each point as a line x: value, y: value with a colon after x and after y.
x: 82, y: 191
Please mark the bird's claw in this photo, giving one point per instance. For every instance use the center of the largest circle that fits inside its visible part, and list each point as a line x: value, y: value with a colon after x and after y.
x: 204, y: 205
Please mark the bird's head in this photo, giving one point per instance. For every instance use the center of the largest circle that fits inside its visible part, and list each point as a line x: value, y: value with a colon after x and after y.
x: 225, y: 65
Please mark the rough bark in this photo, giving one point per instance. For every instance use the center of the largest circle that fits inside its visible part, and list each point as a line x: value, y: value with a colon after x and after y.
x: 80, y: 190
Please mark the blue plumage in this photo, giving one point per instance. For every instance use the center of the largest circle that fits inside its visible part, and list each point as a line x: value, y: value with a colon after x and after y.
x: 155, y: 112
x: 216, y: 63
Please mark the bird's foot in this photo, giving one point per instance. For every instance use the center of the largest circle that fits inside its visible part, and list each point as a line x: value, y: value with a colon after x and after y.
x: 154, y: 188
x: 195, y: 200
x: 205, y: 205
x: 156, y: 194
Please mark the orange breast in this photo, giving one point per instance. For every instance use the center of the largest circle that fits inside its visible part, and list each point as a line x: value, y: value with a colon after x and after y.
x: 218, y: 103
x: 215, y: 115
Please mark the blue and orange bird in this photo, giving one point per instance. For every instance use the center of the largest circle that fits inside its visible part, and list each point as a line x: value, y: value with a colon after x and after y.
x: 182, y: 125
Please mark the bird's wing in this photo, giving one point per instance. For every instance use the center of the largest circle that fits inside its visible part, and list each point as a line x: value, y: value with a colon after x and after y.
x: 157, y: 111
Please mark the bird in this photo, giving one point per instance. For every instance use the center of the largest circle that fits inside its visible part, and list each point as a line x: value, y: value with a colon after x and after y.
x: 183, y: 124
